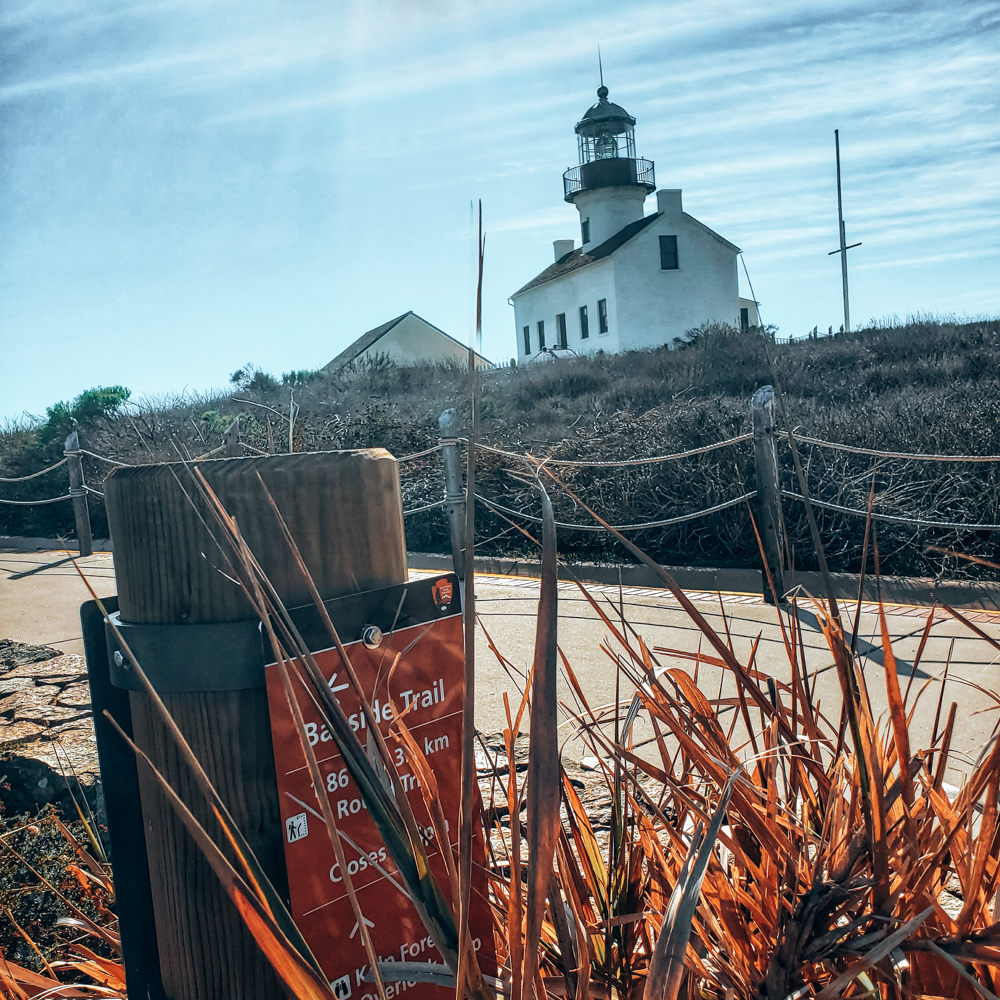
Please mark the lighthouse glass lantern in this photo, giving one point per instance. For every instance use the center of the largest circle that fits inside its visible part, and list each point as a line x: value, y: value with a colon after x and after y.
x: 606, y: 131
x: 606, y: 139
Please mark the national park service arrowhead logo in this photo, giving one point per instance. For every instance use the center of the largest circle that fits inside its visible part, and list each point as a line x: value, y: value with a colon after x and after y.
x: 443, y: 593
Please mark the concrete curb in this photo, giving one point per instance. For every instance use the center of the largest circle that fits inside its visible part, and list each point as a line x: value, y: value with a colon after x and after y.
x: 17, y: 543
x: 920, y: 591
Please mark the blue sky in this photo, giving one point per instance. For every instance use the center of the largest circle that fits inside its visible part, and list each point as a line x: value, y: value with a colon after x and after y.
x: 188, y: 185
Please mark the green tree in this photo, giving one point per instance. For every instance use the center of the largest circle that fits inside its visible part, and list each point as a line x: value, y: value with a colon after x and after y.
x: 89, y: 406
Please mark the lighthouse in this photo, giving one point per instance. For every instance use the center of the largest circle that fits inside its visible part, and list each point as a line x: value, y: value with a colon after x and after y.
x: 610, y: 183
x: 639, y: 278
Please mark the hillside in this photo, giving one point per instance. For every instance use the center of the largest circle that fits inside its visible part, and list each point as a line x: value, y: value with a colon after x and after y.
x: 923, y: 386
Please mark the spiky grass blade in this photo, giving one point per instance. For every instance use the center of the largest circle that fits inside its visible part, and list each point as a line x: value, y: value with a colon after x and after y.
x: 666, y: 967
x: 543, y: 753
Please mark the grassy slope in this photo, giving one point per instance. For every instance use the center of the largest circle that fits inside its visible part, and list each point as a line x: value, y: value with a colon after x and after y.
x: 925, y: 386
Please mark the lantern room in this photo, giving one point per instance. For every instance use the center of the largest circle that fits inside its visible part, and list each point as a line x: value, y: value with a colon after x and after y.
x: 606, y: 139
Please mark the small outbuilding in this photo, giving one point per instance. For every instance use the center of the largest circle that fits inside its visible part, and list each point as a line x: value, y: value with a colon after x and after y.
x: 406, y: 340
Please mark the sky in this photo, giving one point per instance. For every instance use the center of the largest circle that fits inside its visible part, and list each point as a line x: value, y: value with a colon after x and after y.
x: 190, y: 185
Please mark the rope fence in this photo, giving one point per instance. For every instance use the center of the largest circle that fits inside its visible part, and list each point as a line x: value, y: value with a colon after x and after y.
x: 36, y: 503
x: 421, y: 454
x: 909, y: 456
x: 100, y: 458
x: 493, y: 505
x: 420, y: 510
x: 80, y: 490
x: 34, y: 475
x: 653, y: 460
x: 879, y: 516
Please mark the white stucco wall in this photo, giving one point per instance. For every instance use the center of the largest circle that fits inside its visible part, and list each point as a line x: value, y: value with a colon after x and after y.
x: 565, y: 295
x: 610, y: 210
x: 647, y: 307
x: 655, y: 306
x: 753, y: 317
x: 412, y: 341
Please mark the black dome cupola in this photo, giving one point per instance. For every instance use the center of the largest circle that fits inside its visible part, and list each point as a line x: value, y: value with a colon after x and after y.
x: 606, y: 140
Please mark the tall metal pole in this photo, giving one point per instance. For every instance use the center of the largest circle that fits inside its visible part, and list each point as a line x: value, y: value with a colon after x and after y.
x: 454, y: 488
x: 843, y: 237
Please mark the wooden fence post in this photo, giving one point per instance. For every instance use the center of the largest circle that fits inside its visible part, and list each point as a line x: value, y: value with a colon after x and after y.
x: 78, y: 491
x: 770, y: 518
x: 345, y: 511
x: 231, y: 440
x: 454, y: 488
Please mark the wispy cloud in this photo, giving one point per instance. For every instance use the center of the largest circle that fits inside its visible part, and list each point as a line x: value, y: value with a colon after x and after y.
x: 190, y: 174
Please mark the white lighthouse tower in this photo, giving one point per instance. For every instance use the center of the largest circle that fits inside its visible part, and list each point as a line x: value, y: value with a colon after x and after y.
x: 610, y: 183
x: 638, y: 281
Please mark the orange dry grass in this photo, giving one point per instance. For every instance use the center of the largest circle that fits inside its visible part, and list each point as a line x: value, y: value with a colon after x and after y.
x: 834, y: 849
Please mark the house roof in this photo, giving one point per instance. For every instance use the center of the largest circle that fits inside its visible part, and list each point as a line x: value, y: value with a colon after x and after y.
x: 368, y: 340
x: 577, y: 258
x: 712, y: 232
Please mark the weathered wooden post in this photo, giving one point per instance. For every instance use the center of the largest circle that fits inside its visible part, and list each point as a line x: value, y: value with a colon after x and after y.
x: 770, y: 519
x: 345, y: 511
x: 78, y: 491
x: 454, y: 488
x: 231, y: 440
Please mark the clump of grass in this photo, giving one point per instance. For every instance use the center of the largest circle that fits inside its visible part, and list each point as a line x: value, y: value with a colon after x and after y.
x: 57, y: 919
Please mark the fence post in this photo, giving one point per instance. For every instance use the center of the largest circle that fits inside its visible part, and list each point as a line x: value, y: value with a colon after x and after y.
x: 770, y: 518
x: 454, y: 488
x: 344, y: 510
x: 78, y: 491
x: 231, y: 439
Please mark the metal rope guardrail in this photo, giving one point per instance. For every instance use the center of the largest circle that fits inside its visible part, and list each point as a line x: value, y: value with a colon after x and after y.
x: 34, y: 475
x: 907, y: 455
x: 877, y: 516
x: 622, y: 527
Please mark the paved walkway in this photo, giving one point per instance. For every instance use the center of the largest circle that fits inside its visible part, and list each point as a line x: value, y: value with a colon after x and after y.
x: 42, y: 608
x: 506, y: 609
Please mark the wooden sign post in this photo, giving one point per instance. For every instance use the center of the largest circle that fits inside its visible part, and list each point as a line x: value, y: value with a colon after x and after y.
x: 345, y: 512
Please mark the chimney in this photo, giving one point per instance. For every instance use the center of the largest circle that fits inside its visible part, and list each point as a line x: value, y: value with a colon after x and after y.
x: 668, y: 201
x: 562, y: 247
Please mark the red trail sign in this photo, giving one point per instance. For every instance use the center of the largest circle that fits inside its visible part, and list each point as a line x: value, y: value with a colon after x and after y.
x: 422, y: 621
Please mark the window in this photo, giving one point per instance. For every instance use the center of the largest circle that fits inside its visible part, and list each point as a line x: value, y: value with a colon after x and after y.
x: 561, y: 330
x: 745, y: 319
x: 541, y: 334
x: 668, y: 253
x: 585, y: 230
x: 602, y: 315
x: 527, y: 340
x: 584, y: 323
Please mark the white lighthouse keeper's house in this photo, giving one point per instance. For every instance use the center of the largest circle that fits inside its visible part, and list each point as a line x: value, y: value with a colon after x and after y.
x: 637, y: 280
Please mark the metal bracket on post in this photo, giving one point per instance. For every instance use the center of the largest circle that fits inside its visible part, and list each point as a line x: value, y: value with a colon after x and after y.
x: 454, y: 488
x: 78, y: 491
x: 771, y: 520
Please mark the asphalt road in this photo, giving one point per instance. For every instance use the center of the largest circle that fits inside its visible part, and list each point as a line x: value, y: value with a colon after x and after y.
x: 42, y: 608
